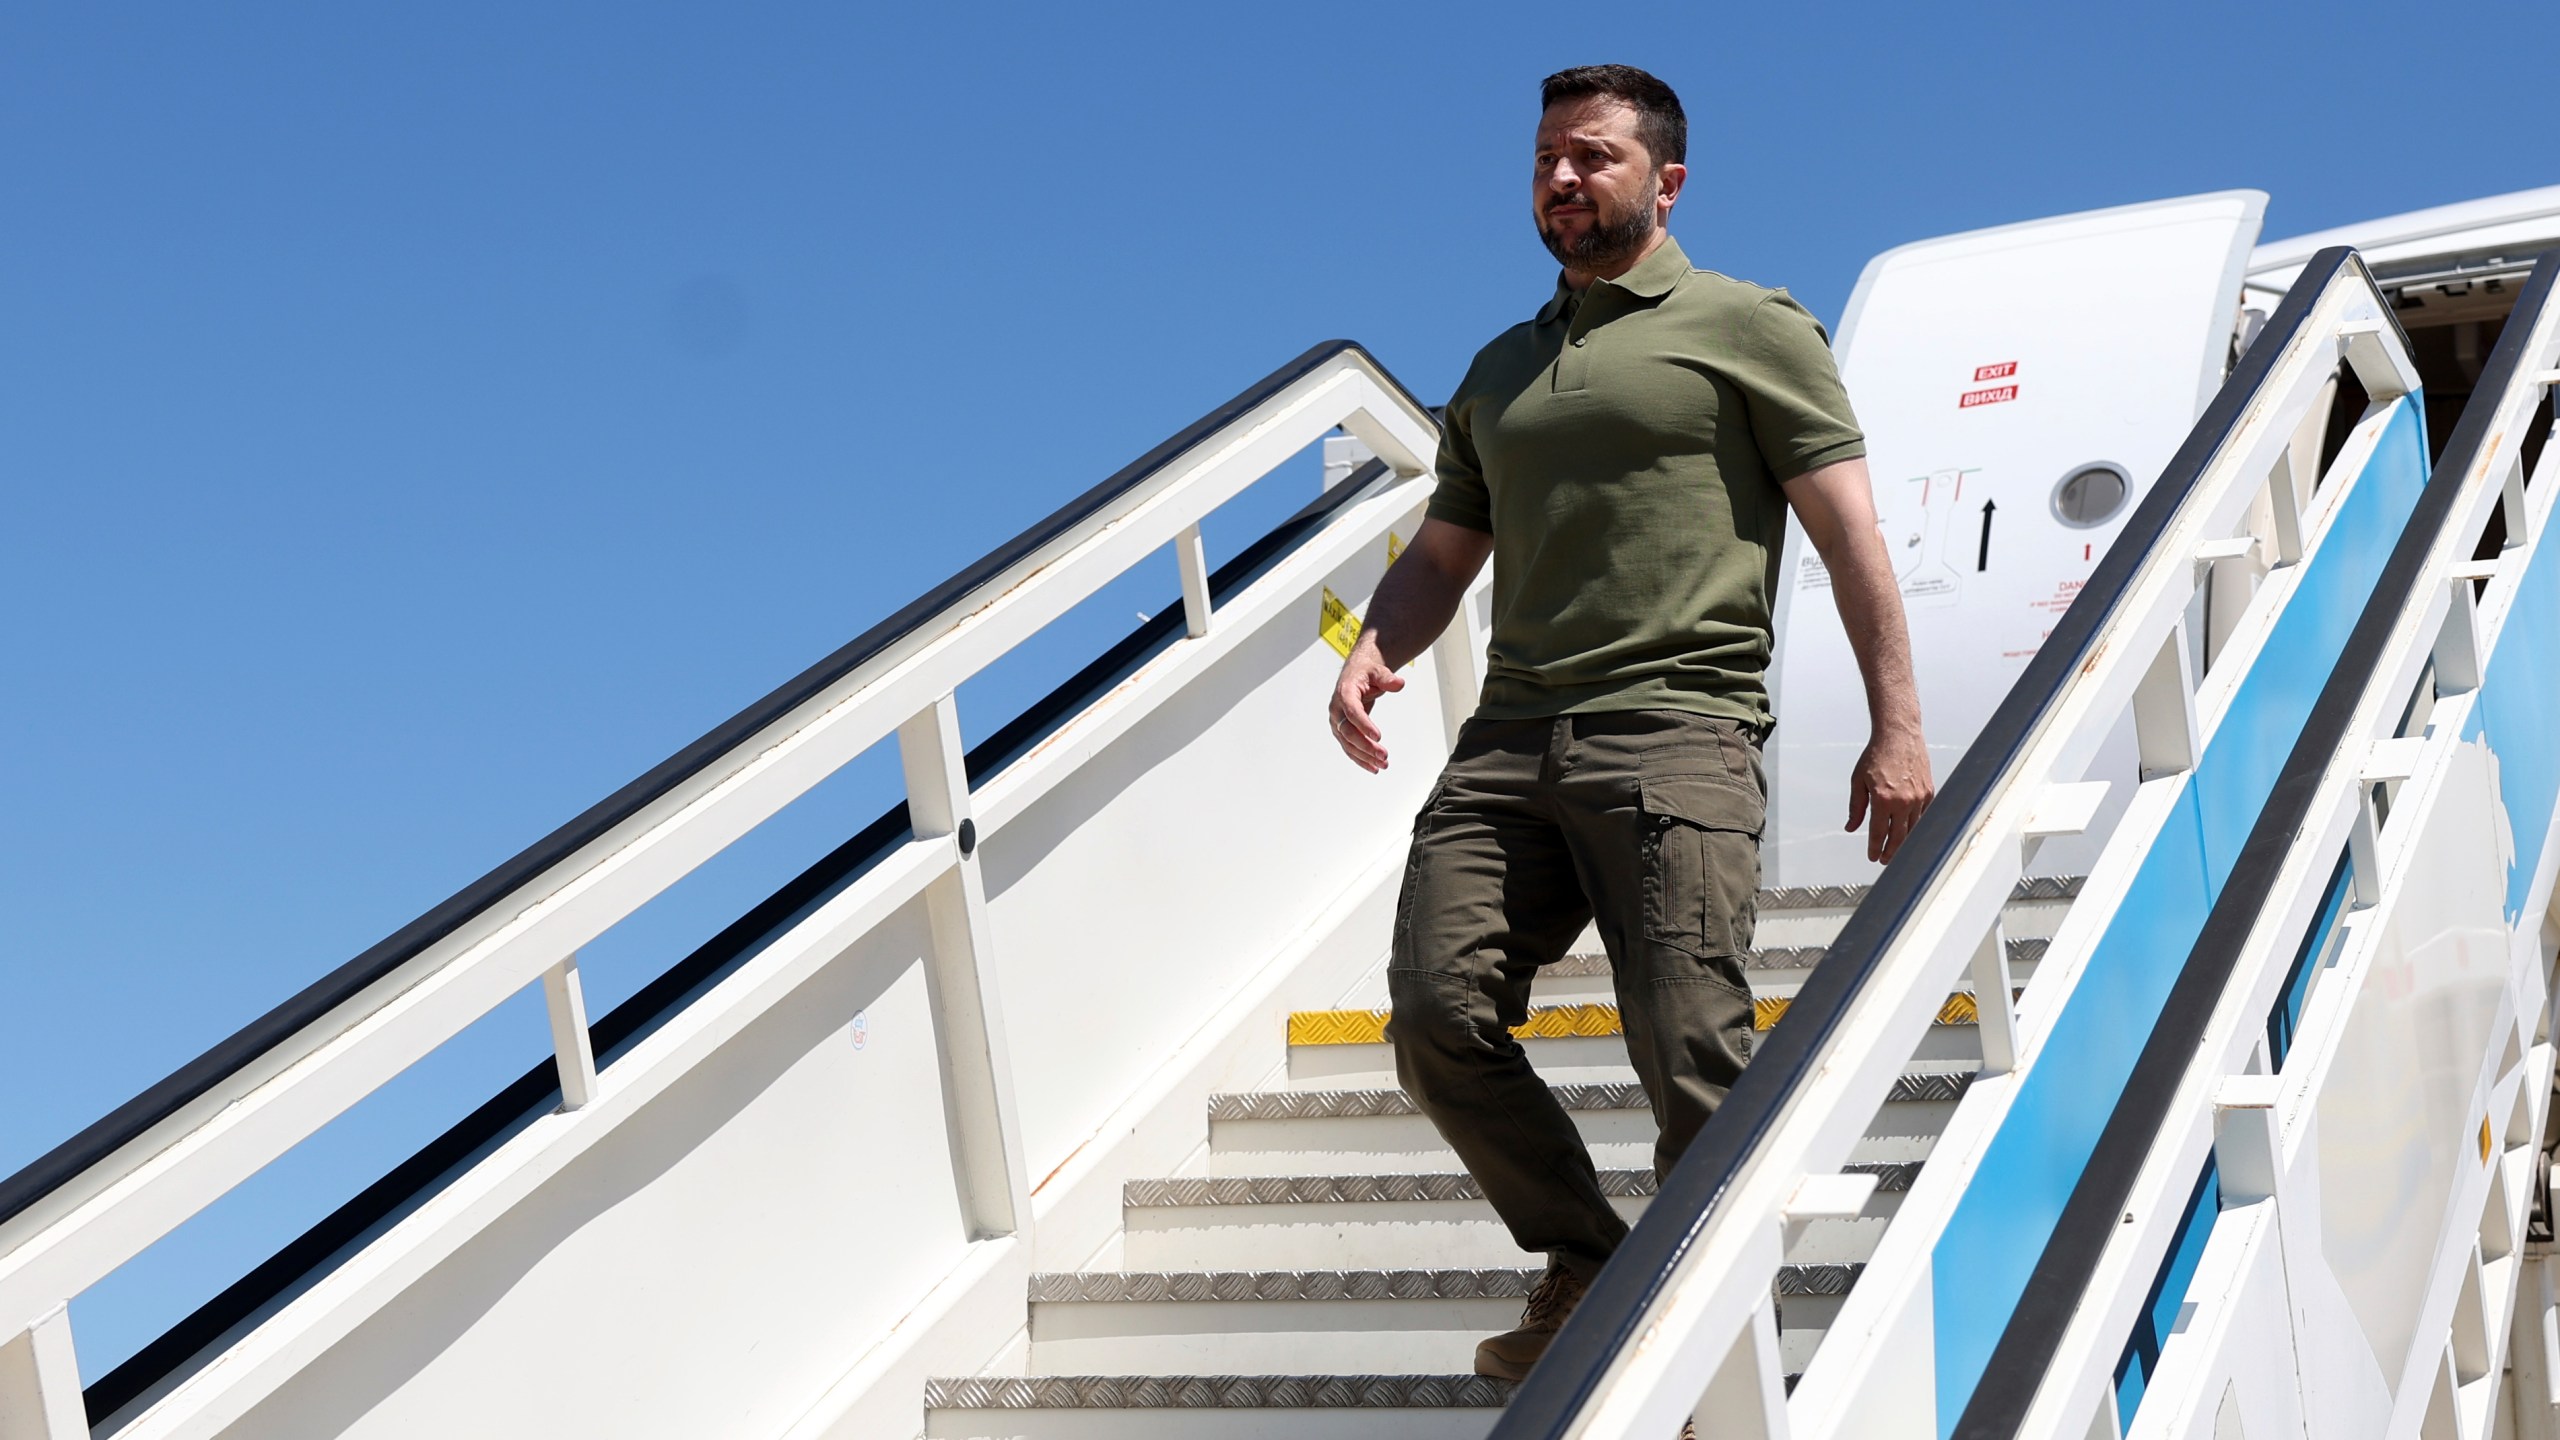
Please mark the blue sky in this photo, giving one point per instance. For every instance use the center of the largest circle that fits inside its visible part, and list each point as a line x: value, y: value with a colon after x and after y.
x: 414, y: 425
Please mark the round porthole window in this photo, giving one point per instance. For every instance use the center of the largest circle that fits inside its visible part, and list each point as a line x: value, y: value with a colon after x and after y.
x: 2091, y: 495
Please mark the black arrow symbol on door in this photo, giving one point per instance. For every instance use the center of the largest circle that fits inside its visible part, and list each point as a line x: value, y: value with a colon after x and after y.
x: 1982, y: 557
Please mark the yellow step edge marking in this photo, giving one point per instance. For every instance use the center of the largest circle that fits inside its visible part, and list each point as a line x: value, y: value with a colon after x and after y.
x: 1547, y: 1022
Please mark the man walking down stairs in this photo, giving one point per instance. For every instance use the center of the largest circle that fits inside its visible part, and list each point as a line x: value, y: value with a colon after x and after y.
x: 1627, y: 458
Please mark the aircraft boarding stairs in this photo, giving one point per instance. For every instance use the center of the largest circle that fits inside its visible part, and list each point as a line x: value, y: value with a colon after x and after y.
x: 1053, y: 1104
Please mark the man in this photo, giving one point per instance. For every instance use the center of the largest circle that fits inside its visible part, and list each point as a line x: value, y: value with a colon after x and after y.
x: 1628, y: 459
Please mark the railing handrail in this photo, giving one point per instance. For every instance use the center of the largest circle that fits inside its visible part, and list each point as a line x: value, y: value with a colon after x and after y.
x: 536, y: 1091
x: 524, y: 873
x: 2024, y: 1355
x: 1634, y: 1284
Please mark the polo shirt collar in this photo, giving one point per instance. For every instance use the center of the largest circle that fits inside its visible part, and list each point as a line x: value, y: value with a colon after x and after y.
x: 1653, y: 278
x: 1656, y: 273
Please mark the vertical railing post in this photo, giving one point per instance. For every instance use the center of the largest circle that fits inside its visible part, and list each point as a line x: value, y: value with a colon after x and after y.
x: 1746, y: 1397
x: 573, y: 1047
x: 40, y: 1383
x: 977, y: 1079
x: 1453, y: 665
x: 2227, y: 572
x: 2284, y: 502
x: 2457, y: 647
x: 2248, y: 1153
x: 1193, y: 560
x: 1343, y: 454
x: 2165, y: 731
x: 1995, y: 1012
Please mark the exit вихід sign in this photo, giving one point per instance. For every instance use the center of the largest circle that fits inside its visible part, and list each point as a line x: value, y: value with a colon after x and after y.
x: 1997, y: 393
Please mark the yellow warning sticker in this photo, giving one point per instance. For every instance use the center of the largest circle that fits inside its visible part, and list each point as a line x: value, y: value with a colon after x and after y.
x: 1339, y: 627
x: 2484, y: 1139
x: 1395, y: 546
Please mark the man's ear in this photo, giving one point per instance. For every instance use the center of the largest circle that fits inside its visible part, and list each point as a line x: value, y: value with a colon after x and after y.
x: 1673, y: 176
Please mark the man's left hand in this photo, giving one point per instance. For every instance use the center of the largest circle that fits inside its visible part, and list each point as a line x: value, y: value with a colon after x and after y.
x: 1889, y: 789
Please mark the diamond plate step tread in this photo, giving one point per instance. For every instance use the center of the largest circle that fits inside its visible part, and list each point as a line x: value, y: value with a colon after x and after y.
x: 1115, y: 1286
x: 1846, y: 897
x: 1785, y: 957
x: 1217, y: 1392
x: 1106, y: 1287
x: 1813, y: 1280
x: 1548, y: 1022
x: 1912, y: 1087
x: 1891, y: 1177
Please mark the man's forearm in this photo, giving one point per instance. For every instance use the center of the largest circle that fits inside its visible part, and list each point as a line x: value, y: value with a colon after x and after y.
x: 1413, y: 605
x: 1836, y: 505
x: 1870, y: 604
x: 1421, y: 590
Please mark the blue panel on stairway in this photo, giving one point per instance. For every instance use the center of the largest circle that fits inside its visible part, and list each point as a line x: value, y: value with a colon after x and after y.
x: 2518, y: 698
x: 2159, y: 1317
x: 1991, y: 1243
x: 2286, y: 1015
x: 2007, y: 1213
x: 2248, y: 748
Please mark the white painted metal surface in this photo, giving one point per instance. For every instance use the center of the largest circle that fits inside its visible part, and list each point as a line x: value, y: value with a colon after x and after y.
x: 2516, y: 225
x: 2385, y: 1180
x: 713, y: 1115
x: 2020, y: 388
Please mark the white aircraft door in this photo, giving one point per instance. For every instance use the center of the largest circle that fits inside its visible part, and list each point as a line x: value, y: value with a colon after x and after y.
x: 2020, y: 387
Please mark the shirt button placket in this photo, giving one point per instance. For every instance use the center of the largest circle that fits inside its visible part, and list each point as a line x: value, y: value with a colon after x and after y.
x: 1573, y: 366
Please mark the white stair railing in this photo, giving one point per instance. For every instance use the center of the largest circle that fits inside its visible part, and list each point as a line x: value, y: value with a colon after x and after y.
x: 98, y: 1200
x: 1679, y: 1323
x: 2373, y: 1145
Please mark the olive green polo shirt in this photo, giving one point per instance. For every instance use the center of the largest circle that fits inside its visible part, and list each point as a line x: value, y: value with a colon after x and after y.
x: 1625, y: 450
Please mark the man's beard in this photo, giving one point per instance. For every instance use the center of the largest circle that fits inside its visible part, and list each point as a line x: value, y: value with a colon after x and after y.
x: 1606, y: 243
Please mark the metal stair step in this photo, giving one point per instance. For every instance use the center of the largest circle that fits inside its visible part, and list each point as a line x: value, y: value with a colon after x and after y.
x: 1214, y: 1407
x: 1794, y: 931
x: 1574, y: 1043
x: 1774, y: 971
x: 1430, y: 1219
x: 1222, y: 1322
x: 1298, y: 1132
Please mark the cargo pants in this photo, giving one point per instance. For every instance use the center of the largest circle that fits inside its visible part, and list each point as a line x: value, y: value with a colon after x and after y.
x: 1647, y: 821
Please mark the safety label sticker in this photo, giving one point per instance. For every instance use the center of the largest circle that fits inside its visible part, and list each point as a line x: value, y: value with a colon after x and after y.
x: 1395, y: 546
x: 1339, y: 627
x: 1992, y: 396
x: 2001, y: 371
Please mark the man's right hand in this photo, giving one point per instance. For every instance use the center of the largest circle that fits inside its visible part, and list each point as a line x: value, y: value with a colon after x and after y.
x: 1364, y: 678
x: 1414, y: 603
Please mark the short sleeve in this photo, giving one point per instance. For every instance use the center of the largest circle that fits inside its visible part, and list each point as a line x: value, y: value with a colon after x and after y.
x: 1800, y: 411
x: 1460, y: 497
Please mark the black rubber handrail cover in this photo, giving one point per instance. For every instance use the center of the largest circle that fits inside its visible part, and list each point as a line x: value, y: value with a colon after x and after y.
x: 129, y: 1121
x: 1611, y: 1316
x: 2025, y: 1352
x: 537, y: 1091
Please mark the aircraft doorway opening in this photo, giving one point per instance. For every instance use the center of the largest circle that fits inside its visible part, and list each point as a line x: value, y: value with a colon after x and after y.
x: 2454, y: 308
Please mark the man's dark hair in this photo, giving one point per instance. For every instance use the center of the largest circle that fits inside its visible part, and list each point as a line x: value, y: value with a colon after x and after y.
x: 1660, y: 122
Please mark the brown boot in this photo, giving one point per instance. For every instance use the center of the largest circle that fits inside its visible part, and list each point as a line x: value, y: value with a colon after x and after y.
x: 1509, y: 1355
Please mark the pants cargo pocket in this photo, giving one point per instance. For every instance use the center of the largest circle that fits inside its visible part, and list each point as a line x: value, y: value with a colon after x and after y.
x: 1701, y: 863
x: 1423, y: 820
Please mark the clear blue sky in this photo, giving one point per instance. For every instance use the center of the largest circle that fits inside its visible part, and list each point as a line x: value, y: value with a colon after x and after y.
x: 414, y: 425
